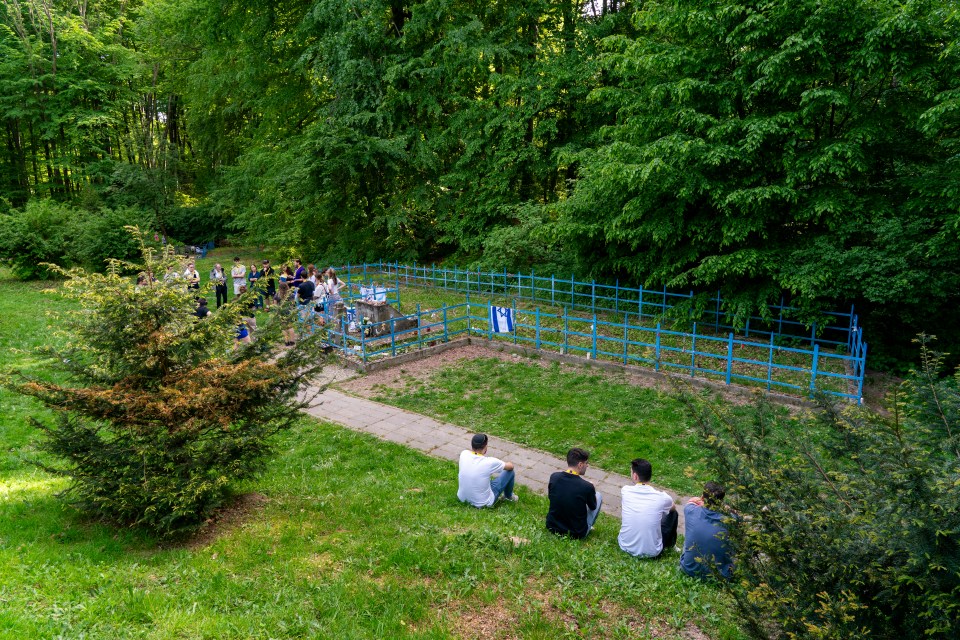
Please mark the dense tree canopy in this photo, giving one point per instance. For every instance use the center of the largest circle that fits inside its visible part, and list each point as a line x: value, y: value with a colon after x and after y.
x: 805, y: 149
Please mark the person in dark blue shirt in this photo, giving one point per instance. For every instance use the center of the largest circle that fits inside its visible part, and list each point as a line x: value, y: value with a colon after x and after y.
x: 574, y: 502
x: 706, y: 545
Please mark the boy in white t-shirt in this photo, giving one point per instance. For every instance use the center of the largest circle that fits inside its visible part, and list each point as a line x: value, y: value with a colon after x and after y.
x: 650, y: 518
x: 475, y: 486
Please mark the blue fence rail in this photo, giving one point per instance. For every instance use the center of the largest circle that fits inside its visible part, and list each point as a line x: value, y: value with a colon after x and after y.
x: 835, y: 328
x: 722, y: 358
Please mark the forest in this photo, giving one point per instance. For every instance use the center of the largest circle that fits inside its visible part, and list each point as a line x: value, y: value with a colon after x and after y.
x: 804, y: 149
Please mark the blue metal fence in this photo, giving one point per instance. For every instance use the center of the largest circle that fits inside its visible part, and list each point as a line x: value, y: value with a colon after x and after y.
x: 835, y: 328
x: 722, y: 358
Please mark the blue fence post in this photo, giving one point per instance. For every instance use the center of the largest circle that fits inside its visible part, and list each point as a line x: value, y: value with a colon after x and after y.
x: 469, y: 328
x: 446, y: 333
x: 863, y: 371
x: 813, y: 334
x: 393, y: 336
x: 850, y: 329
x: 747, y: 328
x: 489, y: 324
x: 616, y: 297
x: 626, y: 339
x: 573, y: 299
x: 729, y: 356
x: 770, y: 364
x: 505, y: 287
x: 813, y: 369
x: 594, y: 328
x: 516, y: 318
x: 420, y: 320
x: 656, y: 351
x: 693, y: 350
x: 533, y: 285
x: 553, y: 288
x: 780, y: 321
x: 343, y: 333
x: 716, y: 322
x: 640, y: 304
x: 593, y: 296
x: 537, y: 322
x: 566, y: 341
x: 363, y: 343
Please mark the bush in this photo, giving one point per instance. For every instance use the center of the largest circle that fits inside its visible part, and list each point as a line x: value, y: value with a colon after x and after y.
x: 49, y: 232
x: 167, y: 414
x: 852, y: 527
x: 34, y: 235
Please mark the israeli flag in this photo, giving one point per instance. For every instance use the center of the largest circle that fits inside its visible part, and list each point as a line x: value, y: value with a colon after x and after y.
x: 501, y: 319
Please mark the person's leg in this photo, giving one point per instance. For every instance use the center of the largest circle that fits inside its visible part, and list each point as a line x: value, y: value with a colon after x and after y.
x: 503, y: 483
x: 593, y: 513
x: 668, y: 528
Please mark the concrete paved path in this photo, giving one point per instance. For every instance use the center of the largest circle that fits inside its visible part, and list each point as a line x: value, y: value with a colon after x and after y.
x: 444, y: 440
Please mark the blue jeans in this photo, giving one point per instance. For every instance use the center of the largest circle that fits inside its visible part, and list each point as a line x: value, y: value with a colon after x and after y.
x: 503, y: 483
x: 593, y: 513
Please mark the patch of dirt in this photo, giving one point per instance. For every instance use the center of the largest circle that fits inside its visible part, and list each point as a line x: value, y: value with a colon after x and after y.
x: 225, y: 519
x: 619, y: 615
x: 876, y: 386
x: 497, y: 620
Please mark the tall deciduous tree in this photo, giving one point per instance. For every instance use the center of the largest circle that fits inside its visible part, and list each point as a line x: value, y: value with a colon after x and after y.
x: 778, y: 146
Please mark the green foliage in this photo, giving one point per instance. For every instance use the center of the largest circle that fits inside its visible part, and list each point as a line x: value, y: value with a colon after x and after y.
x: 45, y: 232
x: 163, y: 413
x: 778, y: 147
x: 853, y: 532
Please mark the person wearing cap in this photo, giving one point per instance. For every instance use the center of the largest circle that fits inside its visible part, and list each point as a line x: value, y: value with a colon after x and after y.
x: 476, y: 468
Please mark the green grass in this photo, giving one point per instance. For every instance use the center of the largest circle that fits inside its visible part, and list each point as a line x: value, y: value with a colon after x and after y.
x: 355, y: 538
x: 555, y: 407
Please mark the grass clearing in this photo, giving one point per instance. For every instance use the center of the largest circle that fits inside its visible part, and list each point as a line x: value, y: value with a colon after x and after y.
x: 344, y: 536
x: 552, y: 407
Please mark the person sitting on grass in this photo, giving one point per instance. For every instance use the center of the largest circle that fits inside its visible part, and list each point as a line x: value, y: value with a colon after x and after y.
x: 649, y: 516
x: 574, y: 502
x: 475, y: 485
x: 706, y: 546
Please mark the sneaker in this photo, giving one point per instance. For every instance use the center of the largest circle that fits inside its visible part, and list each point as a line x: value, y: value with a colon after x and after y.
x: 513, y: 498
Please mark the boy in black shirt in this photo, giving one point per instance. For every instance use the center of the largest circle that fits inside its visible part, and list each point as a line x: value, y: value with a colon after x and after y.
x: 574, y: 503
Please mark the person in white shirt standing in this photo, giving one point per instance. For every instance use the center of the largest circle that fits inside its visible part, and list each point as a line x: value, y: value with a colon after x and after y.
x: 475, y: 485
x: 649, y: 516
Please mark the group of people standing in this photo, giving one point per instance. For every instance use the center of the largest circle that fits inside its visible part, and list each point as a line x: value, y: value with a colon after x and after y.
x: 649, y: 516
x: 308, y: 283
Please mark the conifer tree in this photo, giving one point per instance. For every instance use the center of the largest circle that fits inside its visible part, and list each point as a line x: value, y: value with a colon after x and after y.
x: 161, y: 412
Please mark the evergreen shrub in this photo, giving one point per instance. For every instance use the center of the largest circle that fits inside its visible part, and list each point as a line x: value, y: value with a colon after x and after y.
x: 162, y: 413
x: 851, y: 526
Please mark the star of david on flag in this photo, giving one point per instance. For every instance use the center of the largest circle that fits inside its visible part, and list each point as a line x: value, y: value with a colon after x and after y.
x: 501, y: 319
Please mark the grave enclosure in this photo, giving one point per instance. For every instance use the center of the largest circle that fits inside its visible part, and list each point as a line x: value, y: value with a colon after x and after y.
x: 678, y: 333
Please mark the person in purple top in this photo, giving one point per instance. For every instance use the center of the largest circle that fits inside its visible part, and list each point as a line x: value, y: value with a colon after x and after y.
x: 299, y: 274
x: 706, y: 544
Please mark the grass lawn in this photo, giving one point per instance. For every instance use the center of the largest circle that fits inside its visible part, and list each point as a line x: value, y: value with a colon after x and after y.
x: 555, y: 407
x: 344, y: 536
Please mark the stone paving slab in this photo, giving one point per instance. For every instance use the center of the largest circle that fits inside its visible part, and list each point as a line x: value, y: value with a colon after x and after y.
x: 446, y: 441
